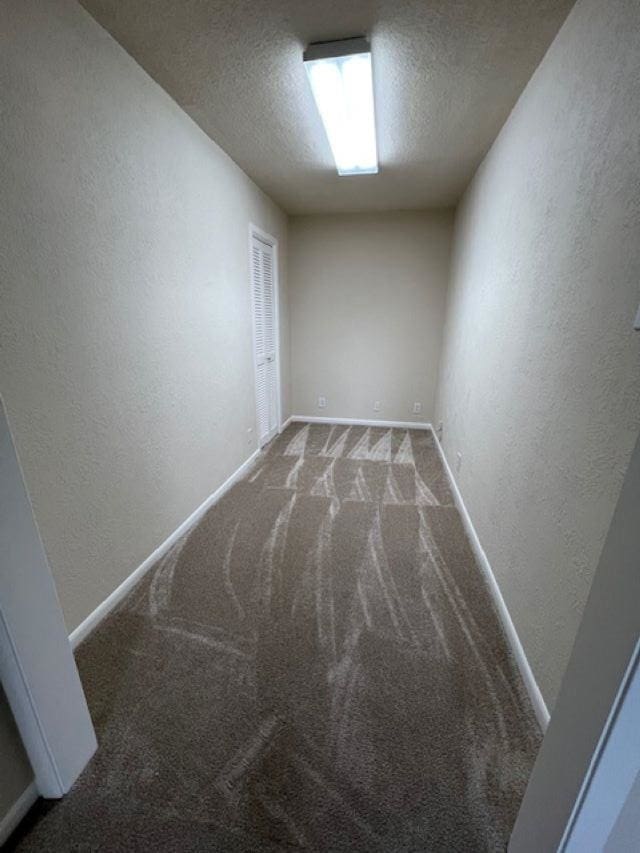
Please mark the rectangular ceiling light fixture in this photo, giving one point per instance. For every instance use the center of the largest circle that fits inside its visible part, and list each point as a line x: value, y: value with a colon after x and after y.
x: 340, y: 76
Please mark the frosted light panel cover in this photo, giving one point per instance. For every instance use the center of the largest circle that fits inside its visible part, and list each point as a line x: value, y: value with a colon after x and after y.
x: 343, y: 90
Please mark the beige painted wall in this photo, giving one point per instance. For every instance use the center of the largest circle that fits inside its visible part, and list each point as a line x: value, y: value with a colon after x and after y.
x: 367, y: 302
x: 540, y: 384
x: 125, y: 324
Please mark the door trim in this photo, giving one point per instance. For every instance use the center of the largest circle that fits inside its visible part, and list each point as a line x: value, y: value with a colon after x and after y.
x: 609, y: 808
x: 37, y: 668
x: 269, y: 240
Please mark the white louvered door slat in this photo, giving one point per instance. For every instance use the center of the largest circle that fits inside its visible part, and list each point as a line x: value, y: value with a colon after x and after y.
x: 264, y: 307
x: 269, y: 337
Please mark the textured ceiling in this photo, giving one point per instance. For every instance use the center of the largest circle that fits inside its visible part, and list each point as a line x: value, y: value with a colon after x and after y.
x: 446, y: 75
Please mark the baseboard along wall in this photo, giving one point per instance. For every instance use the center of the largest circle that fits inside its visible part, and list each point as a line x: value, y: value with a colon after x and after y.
x: 357, y: 422
x: 17, y: 811
x: 103, y: 609
x: 535, y: 695
x: 26, y: 800
x: 537, y: 700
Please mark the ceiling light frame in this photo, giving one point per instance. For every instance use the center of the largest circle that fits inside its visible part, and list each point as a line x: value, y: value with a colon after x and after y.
x: 341, y: 79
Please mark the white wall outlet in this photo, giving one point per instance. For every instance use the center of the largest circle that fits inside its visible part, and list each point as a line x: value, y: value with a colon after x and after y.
x: 249, y: 435
x: 458, y: 460
x: 322, y: 402
x: 417, y: 408
x: 440, y: 430
x: 376, y: 406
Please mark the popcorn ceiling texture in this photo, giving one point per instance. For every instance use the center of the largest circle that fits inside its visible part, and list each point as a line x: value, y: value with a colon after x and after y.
x: 125, y: 326
x: 446, y: 76
x: 540, y: 384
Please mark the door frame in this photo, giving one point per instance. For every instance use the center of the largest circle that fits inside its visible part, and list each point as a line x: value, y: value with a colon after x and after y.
x: 37, y: 667
x: 612, y: 771
x: 269, y: 240
x: 592, y: 693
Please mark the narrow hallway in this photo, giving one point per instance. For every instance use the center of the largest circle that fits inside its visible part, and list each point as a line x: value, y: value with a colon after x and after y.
x: 326, y: 621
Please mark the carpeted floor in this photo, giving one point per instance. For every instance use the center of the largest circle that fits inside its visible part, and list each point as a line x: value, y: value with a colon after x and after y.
x: 316, y: 666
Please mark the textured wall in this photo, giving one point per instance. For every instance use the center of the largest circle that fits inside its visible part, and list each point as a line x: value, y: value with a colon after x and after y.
x: 367, y: 301
x: 540, y: 384
x: 125, y: 324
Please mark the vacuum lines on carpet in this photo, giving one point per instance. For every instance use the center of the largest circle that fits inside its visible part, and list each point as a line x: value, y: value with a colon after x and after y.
x: 316, y: 666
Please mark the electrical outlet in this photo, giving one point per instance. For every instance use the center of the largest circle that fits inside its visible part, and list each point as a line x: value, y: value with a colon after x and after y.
x: 417, y: 408
x: 440, y: 430
x: 322, y: 402
x: 376, y: 406
x: 249, y: 435
x: 458, y: 460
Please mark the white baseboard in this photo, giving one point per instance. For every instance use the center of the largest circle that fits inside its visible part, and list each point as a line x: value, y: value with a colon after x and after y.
x: 17, y: 811
x: 357, y: 422
x: 94, y: 618
x: 284, y: 425
x: 537, y: 700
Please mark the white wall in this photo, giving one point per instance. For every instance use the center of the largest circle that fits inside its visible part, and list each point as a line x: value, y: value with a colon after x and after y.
x: 367, y: 301
x: 540, y: 384
x: 125, y: 323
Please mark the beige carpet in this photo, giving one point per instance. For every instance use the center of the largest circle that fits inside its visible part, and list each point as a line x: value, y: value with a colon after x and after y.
x: 316, y: 666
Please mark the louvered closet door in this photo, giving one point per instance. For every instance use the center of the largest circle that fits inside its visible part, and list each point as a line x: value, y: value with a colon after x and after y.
x: 264, y: 307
